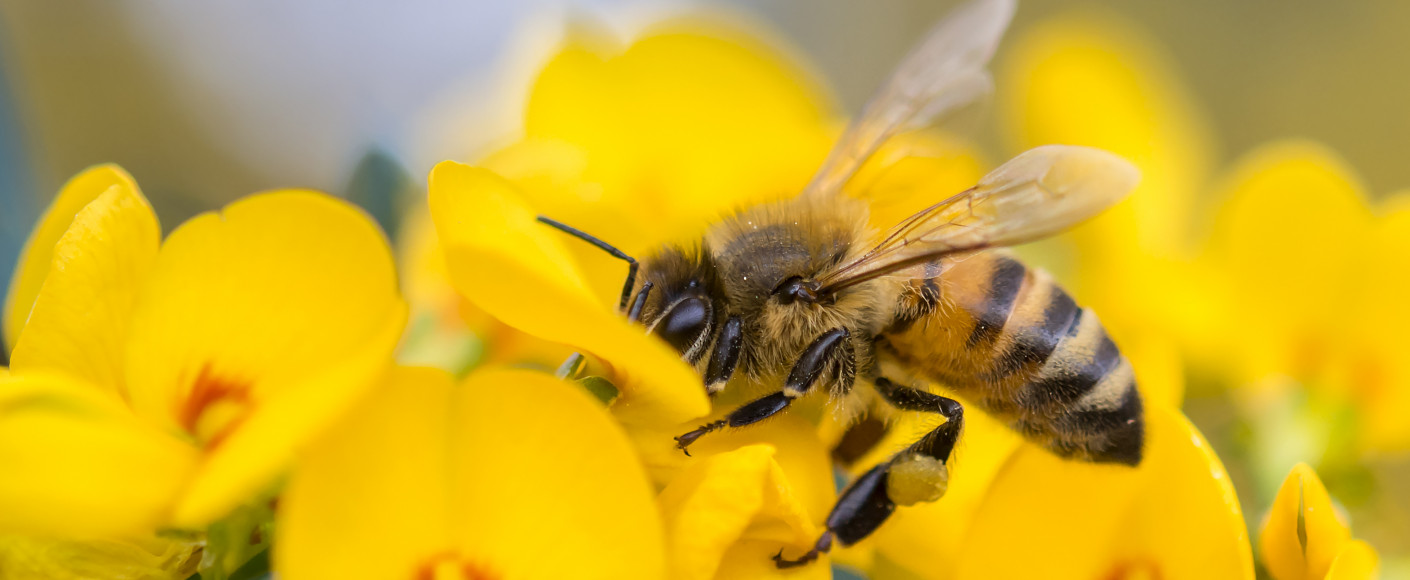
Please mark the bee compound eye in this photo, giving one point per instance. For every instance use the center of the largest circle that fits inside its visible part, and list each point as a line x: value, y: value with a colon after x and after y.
x: 683, y: 325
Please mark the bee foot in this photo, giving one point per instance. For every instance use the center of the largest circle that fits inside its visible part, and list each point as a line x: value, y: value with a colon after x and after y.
x: 684, y: 441
x: 823, y: 546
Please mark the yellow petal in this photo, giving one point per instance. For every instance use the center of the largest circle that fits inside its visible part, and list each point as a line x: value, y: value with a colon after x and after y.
x: 257, y: 450
x: 1289, y: 204
x: 1176, y: 516
x: 37, y: 558
x: 1377, y: 368
x: 1357, y: 561
x: 79, y: 321
x: 78, y: 463
x: 1091, y: 79
x: 512, y: 474
x: 1096, y: 80
x: 281, y: 300
x: 728, y: 497
x: 567, y: 472
x: 368, y: 500
x: 517, y: 270
x: 692, y: 119
x: 33, y: 266
x: 554, y: 178
x: 1160, y: 372
x: 1303, y: 534
x: 1187, y: 520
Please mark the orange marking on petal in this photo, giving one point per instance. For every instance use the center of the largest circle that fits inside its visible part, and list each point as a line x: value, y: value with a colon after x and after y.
x: 209, y: 393
x: 450, y: 566
x: 1140, y: 569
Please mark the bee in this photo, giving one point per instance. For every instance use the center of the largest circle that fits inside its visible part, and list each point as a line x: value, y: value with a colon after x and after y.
x: 801, y: 297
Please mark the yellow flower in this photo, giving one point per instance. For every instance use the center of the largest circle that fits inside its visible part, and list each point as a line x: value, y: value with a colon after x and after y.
x: 446, y: 331
x: 1313, y: 274
x: 1299, y: 277
x: 1175, y: 516
x: 744, y: 496
x: 1091, y: 79
x: 681, y: 150
x: 511, y: 474
x: 30, y: 558
x: 1305, y: 537
x: 161, y: 384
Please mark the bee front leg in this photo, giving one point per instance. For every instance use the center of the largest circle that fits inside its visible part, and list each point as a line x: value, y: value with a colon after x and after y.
x: 829, y: 351
x: 917, y: 474
x: 726, y: 355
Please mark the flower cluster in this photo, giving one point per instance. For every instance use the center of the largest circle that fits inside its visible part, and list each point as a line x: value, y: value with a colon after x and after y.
x: 181, y: 404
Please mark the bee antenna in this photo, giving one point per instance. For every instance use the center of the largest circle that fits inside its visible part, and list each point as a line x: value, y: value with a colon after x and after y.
x: 604, y: 246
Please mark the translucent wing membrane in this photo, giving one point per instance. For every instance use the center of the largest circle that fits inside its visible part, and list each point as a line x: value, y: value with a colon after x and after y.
x: 941, y: 75
x: 1037, y: 194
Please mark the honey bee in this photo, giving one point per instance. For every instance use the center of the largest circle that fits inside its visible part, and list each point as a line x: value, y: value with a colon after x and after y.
x: 800, y: 296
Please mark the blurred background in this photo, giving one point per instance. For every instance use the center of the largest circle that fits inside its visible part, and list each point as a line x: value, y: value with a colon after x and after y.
x: 206, y: 102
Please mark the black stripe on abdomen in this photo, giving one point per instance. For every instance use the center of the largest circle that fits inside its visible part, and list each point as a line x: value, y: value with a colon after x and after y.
x: 1112, y: 435
x: 1034, y: 345
x: 1065, y: 379
x: 1004, y: 284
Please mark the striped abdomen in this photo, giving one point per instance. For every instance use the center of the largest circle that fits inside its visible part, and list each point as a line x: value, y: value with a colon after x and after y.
x: 1010, y: 340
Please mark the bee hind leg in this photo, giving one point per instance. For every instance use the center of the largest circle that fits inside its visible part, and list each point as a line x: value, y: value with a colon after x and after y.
x: 832, y: 351
x: 917, y: 474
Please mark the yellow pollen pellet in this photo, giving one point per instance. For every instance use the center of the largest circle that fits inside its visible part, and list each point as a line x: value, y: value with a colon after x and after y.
x: 917, y: 478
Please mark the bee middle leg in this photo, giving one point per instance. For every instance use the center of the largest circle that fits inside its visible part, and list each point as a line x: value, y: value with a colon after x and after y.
x: 832, y: 351
x: 917, y: 474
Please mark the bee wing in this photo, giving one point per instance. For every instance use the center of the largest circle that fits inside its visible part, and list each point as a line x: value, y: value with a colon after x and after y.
x: 1041, y: 192
x: 945, y: 72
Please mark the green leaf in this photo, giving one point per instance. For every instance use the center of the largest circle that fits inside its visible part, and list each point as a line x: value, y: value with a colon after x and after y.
x: 600, y: 387
x: 239, y: 540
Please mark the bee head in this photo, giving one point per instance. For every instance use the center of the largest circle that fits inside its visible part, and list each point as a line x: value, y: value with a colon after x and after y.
x: 683, y: 306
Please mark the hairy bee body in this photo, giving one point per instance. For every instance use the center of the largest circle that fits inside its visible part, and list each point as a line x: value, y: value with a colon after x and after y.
x: 997, y: 333
x: 760, y: 248
x: 1009, y: 339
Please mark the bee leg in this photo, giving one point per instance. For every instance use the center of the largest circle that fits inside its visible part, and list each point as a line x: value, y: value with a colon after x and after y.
x: 940, y: 442
x: 725, y: 357
x: 634, y: 314
x: 917, y: 474
x: 821, y: 355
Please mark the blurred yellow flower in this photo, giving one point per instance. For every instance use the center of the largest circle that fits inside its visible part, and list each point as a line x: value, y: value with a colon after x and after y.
x: 1091, y: 79
x: 511, y: 474
x: 1305, y: 537
x: 1175, y: 516
x: 183, y: 374
x: 1300, y: 276
x: 745, y: 496
x: 1314, y: 280
x: 31, y: 558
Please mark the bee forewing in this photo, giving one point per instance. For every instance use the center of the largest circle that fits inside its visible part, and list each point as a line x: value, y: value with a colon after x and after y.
x: 1039, y: 193
x: 1048, y: 189
x: 944, y: 73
